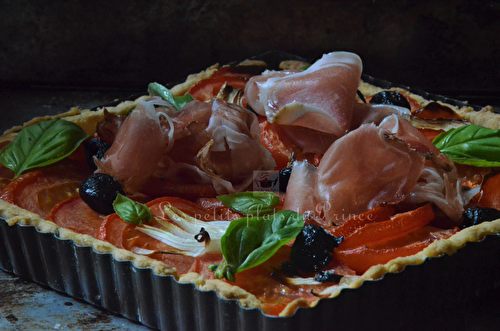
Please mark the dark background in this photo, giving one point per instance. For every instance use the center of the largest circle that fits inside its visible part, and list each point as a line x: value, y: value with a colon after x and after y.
x: 447, y: 47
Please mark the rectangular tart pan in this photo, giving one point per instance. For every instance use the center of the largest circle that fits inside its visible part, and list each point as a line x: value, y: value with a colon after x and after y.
x: 441, y: 292
x: 460, y: 291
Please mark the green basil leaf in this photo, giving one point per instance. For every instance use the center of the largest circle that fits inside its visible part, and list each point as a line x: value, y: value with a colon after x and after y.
x: 183, y: 100
x: 157, y: 89
x: 249, y: 242
x: 41, y: 144
x: 131, y: 211
x: 471, y: 144
x: 252, y: 203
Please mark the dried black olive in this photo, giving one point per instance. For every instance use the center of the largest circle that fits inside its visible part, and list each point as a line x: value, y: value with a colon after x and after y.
x: 288, y: 268
x: 284, y: 176
x: 390, y: 98
x: 99, y: 191
x: 327, y: 276
x: 313, y: 248
x: 94, y: 147
x: 476, y: 215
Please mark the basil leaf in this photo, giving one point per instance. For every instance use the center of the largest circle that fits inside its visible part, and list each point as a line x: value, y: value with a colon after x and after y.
x: 471, y: 144
x: 249, y: 242
x: 41, y: 144
x: 131, y: 211
x: 156, y: 89
x: 252, y: 203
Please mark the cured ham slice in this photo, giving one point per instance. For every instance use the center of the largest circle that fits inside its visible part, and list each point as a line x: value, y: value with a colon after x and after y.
x: 204, y: 143
x: 372, y: 165
x: 375, y: 113
x: 320, y: 98
x: 235, y: 150
x: 222, y: 149
x: 136, y: 150
x: 439, y: 182
x: 405, y: 131
x: 313, y: 141
x: 361, y: 170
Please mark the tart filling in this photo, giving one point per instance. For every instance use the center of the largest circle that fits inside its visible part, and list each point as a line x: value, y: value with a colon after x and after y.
x: 200, y: 158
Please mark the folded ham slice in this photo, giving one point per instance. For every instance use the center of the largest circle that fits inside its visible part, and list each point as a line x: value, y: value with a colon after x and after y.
x: 320, y: 98
x: 234, y: 151
x: 204, y: 143
x: 361, y: 170
x: 136, y: 150
x: 372, y: 165
x: 438, y: 182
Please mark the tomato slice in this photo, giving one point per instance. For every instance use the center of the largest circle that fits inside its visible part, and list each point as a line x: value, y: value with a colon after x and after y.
x: 490, y: 193
x: 111, y: 229
x: 41, y: 190
x: 426, y: 232
x: 434, y: 111
x: 430, y: 134
x: 275, y: 142
x: 362, y: 258
x: 234, y: 76
x: 397, y: 225
x: 220, y: 210
x: 124, y: 235
x: 376, y: 214
x: 74, y: 214
x: 381, y: 251
x: 207, y: 89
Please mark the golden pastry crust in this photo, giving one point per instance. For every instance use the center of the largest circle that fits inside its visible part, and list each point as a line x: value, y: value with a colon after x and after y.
x: 192, y: 79
x: 88, y: 119
x: 223, y: 289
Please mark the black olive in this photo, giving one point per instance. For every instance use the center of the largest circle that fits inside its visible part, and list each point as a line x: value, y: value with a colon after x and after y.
x: 390, y: 98
x: 476, y: 215
x: 284, y: 176
x: 95, y: 147
x: 288, y: 268
x: 327, y: 276
x: 313, y: 248
x: 99, y: 191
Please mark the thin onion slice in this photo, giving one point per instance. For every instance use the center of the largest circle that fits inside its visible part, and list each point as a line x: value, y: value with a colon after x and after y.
x: 187, y: 235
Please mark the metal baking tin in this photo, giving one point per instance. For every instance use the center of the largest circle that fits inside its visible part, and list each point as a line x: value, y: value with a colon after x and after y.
x: 429, y: 295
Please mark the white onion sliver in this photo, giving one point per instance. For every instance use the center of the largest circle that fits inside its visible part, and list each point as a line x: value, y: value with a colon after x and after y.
x: 172, y: 240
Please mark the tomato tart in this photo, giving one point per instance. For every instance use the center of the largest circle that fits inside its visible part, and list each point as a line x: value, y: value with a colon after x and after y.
x: 272, y: 188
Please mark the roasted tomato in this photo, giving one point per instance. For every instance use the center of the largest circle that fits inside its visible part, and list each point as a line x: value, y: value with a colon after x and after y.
x: 234, y: 76
x: 40, y: 190
x: 124, y: 235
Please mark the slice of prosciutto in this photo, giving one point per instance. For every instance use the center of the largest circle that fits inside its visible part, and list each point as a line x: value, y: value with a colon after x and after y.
x: 204, y: 143
x: 438, y: 182
x: 361, y: 170
x: 136, y: 150
x: 372, y: 165
x: 234, y: 151
x: 320, y: 98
